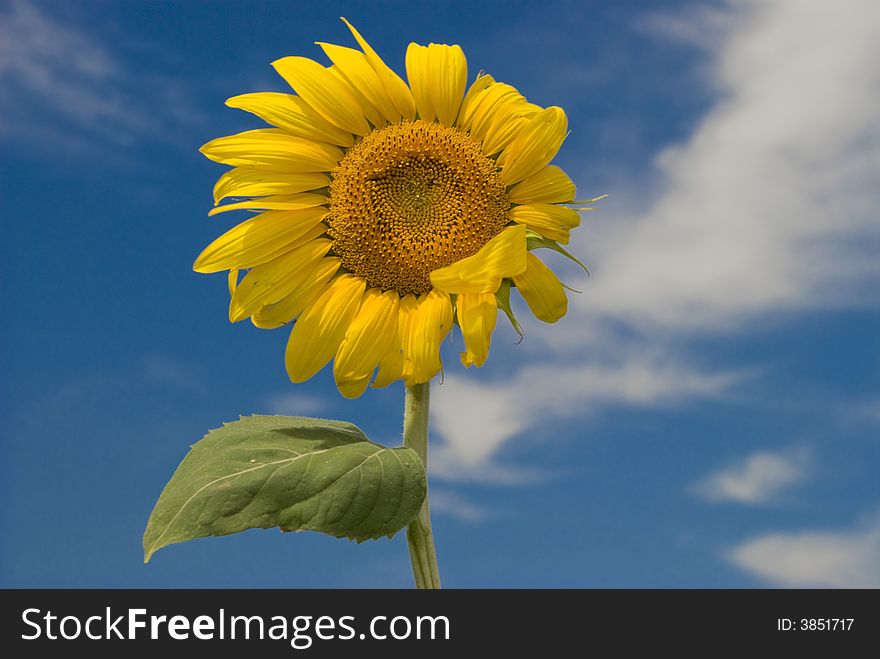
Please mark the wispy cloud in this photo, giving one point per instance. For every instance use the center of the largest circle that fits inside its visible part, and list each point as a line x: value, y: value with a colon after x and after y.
x: 847, y: 558
x: 701, y: 27
x: 452, y: 504
x: 61, y: 84
x: 864, y: 411
x: 758, y: 479
x: 768, y: 208
x: 474, y: 419
x: 171, y: 372
x: 294, y: 404
x: 774, y: 181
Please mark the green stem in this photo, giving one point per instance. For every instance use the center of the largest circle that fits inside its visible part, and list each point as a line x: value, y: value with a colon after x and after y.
x: 418, y: 533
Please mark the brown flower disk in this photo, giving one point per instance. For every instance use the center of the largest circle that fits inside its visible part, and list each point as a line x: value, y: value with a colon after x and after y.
x: 410, y: 198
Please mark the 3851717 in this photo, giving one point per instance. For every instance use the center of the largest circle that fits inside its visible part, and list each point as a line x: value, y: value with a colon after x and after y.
x: 814, y: 624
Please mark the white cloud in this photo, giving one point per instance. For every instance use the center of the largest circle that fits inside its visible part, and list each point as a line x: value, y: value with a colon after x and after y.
x: 832, y: 559
x: 475, y: 419
x: 451, y: 504
x: 701, y: 27
x: 294, y: 404
x: 168, y: 371
x: 767, y: 208
x: 865, y: 411
x: 771, y: 202
x: 759, y: 478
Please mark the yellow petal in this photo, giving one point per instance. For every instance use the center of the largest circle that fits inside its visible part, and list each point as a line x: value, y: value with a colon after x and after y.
x: 274, y: 150
x: 354, y: 388
x: 437, y: 75
x: 272, y: 281
x: 259, y: 239
x: 550, y: 220
x: 324, y: 92
x: 292, y: 114
x: 503, y: 256
x: 396, y: 88
x: 550, y: 185
x: 232, y: 281
x: 319, y: 331
x: 409, y: 304
x: 286, y: 202
x: 367, y: 340
x: 477, y: 313
x: 288, y: 308
x: 356, y: 70
x: 371, y: 114
x: 506, y: 126
x: 542, y: 290
x: 246, y: 182
x: 425, y: 328
x: 497, y: 98
x: 391, y: 364
x: 419, y: 80
x: 473, y: 94
x: 535, y: 146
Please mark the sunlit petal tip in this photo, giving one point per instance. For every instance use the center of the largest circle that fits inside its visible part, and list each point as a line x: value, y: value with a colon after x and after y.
x: 550, y: 220
x: 477, y: 314
x: 274, y: 202
x: 397, y: 89
x: 248, y: 182
x: 260, y: 239
x: 542, y: 291
x: 292, y: 114
x: 424, y: 323
x: 549, y: 185
x: 353, y: 388
x: 232, y: 280
x: 324, y: 93
x: 273, y: 149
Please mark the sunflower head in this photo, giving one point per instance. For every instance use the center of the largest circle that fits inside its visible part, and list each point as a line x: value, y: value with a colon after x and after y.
x: 388, y: 212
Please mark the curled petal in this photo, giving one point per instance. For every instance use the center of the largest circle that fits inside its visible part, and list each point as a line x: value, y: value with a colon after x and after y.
x: 424, y: 324
x: 542, y: 291
x: 503, y: 256
x: 535, y: 146
x: 477, y: 314
x: 366, y: 341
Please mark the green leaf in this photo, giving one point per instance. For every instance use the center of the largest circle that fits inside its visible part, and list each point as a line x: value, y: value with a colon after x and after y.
x: 295, y: 473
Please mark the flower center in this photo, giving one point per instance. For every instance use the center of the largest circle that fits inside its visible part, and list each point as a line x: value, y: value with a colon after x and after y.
x: 410, y: 198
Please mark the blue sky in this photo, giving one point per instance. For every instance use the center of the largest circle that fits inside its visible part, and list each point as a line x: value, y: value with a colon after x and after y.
x: 708, y: 414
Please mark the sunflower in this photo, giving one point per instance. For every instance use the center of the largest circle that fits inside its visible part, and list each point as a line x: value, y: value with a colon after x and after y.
x: 389, y: 212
